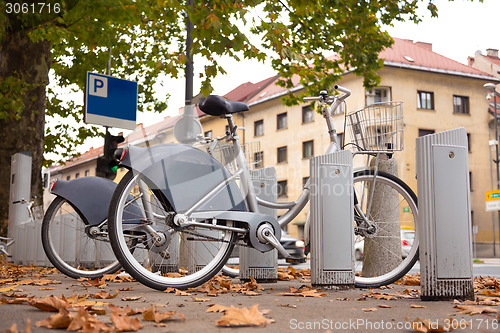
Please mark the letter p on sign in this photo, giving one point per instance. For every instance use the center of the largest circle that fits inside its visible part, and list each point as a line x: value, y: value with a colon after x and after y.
x: 98, y: 86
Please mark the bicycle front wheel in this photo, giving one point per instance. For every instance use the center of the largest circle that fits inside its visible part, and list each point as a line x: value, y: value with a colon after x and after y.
x: 387, y: 251
x: 72, y: 246
x: 165, y: 254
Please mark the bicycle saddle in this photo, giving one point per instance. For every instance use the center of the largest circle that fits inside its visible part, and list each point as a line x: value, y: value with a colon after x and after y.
x: 215, y: 105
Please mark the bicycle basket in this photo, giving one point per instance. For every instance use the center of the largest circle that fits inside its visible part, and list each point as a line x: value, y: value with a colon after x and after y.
x: 225, y: 154
x: 378, y: 127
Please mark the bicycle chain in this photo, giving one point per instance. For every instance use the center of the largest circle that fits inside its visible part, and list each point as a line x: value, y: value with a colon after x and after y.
x: 215, y: 239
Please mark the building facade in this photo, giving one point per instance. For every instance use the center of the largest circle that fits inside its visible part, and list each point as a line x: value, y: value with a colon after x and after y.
x: 437, y: 94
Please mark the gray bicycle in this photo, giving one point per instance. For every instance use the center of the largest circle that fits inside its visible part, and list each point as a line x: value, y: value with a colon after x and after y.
x: 188, y: 211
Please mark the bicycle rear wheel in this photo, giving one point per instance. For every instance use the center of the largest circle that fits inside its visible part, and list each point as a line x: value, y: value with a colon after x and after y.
x: 391, y: 250
x: 74, y: 247
x: 178, y: 257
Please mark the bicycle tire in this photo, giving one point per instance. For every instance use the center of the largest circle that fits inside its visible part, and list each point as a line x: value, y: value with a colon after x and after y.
x: 150, y: 263
x: 406, y: 210
x: 77, y: 254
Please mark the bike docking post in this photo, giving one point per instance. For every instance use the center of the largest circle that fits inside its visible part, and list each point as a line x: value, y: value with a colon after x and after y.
x: 263, y: 267
x: 444, y: 216
x: 332, y: 207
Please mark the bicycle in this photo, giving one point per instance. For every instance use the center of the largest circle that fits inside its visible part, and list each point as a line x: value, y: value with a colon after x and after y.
x: 193, y: 212
x: 74, y: 228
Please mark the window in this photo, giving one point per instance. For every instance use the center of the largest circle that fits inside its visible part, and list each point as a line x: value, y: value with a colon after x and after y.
x: 258, y: 128
x: 87, y: 173
x: 340, y: 139
x: 461, y: 104
x: 304, y: 181
x: 259, y: 159
x: 282, y: 188
x: 281, y: 121
x: 68, y: 177
x: 422, y: 132
x: 470, y: 181
x: 307, y: 114
x: 307, y: 149
x: 378, y: 95
x: 77, y: 175
x: 282, y: 154
x: 468, y: 141
x: 208, y: 134
x: 425, y: 100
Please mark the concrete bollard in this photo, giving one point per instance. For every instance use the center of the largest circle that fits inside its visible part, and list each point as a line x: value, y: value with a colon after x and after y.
x: 263, y: 267
x: 444, y: 216
x: 332, y: 230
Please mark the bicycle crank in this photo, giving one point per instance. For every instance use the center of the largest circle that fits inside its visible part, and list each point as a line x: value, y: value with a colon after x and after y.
x: 265, y: 234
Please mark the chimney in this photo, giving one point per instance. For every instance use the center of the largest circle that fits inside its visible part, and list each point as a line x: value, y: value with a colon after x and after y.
x: 425, y: 45
x: 470, y: 61
x: 492, y: 53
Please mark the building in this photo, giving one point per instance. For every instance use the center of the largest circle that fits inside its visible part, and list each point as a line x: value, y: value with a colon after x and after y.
x: 437, y: 93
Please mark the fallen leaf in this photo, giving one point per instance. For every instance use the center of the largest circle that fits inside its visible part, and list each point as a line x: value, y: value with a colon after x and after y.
x: 13, y: 328
x: 131, y: 298
x: 243, y: 317
x: 196, y: 299
x: 304, y: 291
x: 62, y: 319
x: 152, y: 315
x: 369, y: 309
x: 124, y: 323
x: 49, y: 303
x: 473, y: 310
x: 416, y: 306
x: 105, y: 295
x: 384, y: 306
x: 217, y: 308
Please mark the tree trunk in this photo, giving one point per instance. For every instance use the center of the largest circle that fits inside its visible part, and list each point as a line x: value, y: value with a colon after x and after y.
x: 383, y: 252
x: 30, y: 62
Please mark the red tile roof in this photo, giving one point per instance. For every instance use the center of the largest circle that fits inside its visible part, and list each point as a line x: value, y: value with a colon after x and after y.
x: 419, y: 54
x: 91, y: 154
x: 494, y: 60
x: 246, y: 91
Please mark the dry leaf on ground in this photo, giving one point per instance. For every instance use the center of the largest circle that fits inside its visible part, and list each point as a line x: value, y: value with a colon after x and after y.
x: 49, y: 303
x: 234, y: 317
x: 60, y: 320
x: 217, y: 308
x: 124, y: 323
x: 152, y: 315
x: 473, y: 309
x: 304, y: 291
x: 13, y: 328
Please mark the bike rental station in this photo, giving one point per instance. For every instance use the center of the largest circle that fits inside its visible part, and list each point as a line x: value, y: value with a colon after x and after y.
x: 165, y: 235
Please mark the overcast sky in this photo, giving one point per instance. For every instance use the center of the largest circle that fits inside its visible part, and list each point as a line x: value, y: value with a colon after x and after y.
x: 462, y: 28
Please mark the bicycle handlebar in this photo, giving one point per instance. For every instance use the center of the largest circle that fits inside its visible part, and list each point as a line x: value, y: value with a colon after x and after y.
x: 324, y: 98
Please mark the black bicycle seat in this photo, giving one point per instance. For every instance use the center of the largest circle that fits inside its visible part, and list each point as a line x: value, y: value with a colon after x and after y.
x: 215, y: 105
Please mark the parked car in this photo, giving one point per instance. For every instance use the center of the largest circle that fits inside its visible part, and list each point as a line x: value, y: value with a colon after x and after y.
x: 293, y: 245
x: 407, y: 237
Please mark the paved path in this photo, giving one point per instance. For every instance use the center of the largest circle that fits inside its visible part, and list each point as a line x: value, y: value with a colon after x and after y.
x: 357, y: 310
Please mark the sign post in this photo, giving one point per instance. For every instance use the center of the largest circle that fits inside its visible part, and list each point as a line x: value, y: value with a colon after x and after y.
x: 492, y: 200
x: 110, y: 101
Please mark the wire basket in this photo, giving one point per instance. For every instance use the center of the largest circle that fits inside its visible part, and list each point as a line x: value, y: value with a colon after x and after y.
x: 378, y: 127
x: 225, y: 154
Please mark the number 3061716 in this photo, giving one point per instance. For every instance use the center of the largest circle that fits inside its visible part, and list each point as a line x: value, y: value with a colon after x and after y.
x: 32, y: 8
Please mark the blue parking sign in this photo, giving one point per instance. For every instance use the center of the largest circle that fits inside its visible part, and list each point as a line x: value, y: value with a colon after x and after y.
x: 110, y: 101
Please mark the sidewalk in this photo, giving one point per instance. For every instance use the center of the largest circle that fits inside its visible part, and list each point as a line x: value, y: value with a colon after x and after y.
x: 392, y: 308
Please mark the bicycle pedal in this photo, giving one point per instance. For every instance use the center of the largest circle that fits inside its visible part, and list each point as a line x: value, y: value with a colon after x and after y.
x: 296, y: 260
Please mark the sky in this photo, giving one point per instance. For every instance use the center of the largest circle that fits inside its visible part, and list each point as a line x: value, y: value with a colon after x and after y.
x: 462, y: 28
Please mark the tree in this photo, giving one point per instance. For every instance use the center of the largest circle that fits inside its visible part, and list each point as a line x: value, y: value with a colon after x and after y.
x: 62, y: 39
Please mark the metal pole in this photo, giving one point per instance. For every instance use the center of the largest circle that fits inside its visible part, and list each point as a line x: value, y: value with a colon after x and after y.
x: 189, y: 72
x: 496, y: 162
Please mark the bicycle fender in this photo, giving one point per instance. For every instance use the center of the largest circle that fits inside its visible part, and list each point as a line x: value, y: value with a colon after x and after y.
x: 91, y: 196
x: 252, y: 220
x: 185, y: 174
